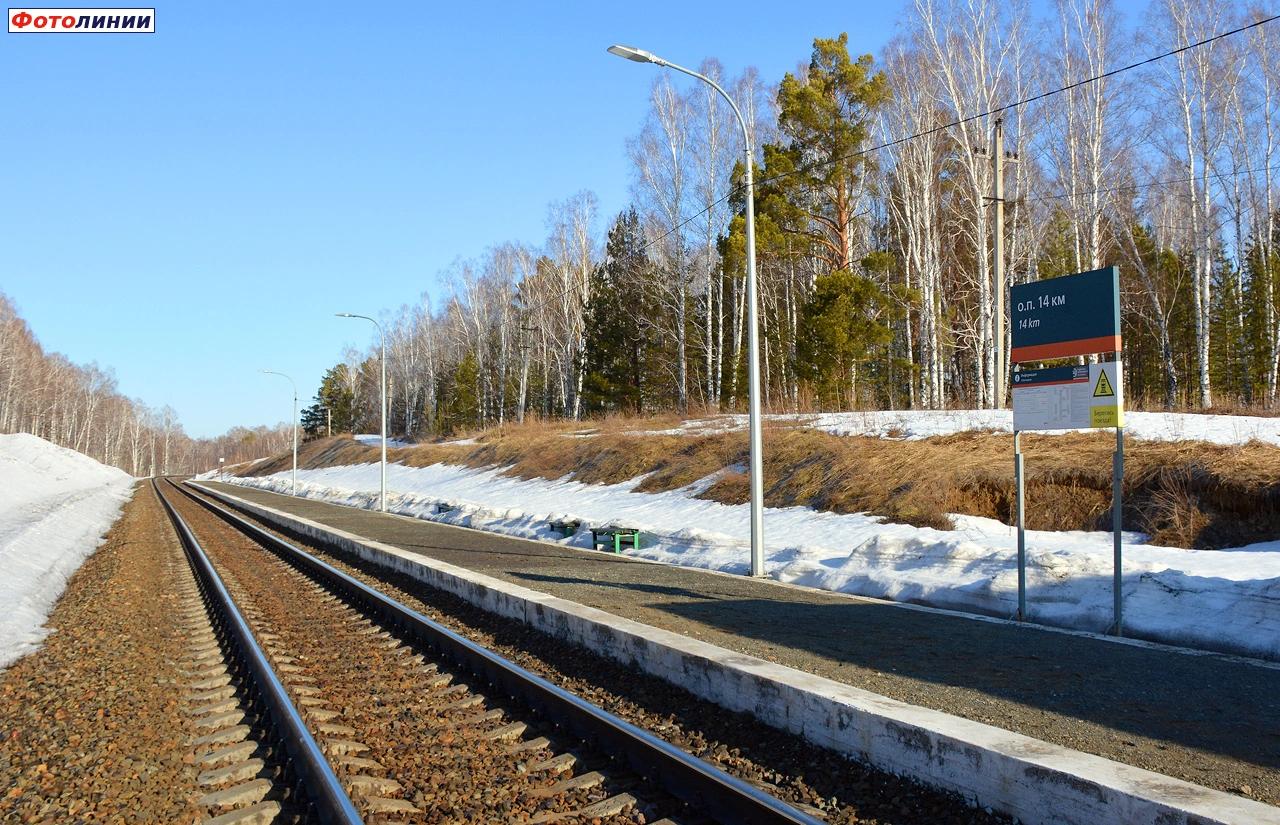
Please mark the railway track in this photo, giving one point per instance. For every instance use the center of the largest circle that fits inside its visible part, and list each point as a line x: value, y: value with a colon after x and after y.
x: 349, y: 705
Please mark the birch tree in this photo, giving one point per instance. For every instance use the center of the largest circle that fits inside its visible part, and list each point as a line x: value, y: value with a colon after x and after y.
x: 715, y: 146
x: 660, y: 156
x: 1084, y: 146
x: 970, y: 43
x: 915, y: 203
x: 572, y: 248
x: 1197, y: 82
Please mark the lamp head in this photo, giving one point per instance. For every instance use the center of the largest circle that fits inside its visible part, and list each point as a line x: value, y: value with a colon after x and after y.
x: 344, y: 314
x: 638, y: 55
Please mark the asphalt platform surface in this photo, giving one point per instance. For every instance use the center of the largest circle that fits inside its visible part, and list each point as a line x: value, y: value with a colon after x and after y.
x: 1209, y: 719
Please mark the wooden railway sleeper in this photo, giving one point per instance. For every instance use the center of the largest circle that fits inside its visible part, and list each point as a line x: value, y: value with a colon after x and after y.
x: 373, y: 793
x: 233, y: 777
x: 725, y: 798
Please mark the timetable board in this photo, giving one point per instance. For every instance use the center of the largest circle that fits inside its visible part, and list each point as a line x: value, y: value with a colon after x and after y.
x: 1068, y: 398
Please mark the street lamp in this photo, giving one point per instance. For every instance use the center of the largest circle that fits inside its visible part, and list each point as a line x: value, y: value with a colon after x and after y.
x: 753, y: 343
x: 294, y: 485
x: 382, y: 497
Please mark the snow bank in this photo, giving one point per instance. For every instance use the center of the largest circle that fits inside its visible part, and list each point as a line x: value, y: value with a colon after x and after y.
x: 375, y: 440
x: 56, y: 508
x: 918, y: 424
x: 1223, y: 600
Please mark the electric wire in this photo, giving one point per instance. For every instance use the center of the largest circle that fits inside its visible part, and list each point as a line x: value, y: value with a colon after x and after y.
x: 1134, y: 187
x: 943, y: 127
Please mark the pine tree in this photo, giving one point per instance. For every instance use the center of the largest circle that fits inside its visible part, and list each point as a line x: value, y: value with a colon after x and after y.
x: 827, y: 116
x: 839, y: 327
x: 616, y: 350
x: 460, y: 405
x: 1257, y: 294
x: 811, y: 223
x: 334, y: 399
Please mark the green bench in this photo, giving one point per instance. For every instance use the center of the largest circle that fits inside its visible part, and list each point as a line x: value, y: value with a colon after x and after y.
x: 616, y: 536
x: 565, y: 527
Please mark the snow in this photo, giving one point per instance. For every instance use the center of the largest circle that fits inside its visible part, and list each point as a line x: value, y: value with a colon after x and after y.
x: 375, y: 440
x: 1224, y: 600
x: 56, y: 508
x: 918, y: 424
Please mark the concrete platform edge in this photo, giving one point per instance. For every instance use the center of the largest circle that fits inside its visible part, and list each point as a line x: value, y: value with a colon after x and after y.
x: 1035, y: 781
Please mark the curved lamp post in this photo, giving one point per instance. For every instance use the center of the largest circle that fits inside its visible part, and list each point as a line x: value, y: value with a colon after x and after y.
x: 382, y: 496
x: 294, y: 485
x: 753, y: 343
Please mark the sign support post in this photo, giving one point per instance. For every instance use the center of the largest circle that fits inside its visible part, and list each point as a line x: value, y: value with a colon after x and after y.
x: 1117, y: 493
x: 1020, y: 517
x: 1056, y: 319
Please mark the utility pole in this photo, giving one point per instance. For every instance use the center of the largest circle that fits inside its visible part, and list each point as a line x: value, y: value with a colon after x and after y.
x: 998, y: 280
x: 997, y: 269
x: 525, y: 346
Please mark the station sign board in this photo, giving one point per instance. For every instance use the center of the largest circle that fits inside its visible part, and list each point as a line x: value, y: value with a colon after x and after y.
x: 1068, y: 398
x: 1067, y: 316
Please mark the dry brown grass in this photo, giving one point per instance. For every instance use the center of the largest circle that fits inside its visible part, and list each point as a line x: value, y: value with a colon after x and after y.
x: 1186, y: 494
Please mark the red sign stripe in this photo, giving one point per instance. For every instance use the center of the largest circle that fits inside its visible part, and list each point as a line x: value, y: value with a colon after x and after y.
x: 1032, y: 385
x: 1066, y: 349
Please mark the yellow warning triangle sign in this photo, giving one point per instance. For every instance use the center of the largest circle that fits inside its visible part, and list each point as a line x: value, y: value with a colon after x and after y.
x: 1104, y: 386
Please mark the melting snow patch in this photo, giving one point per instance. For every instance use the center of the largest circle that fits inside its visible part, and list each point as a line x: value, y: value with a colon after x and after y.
x: 57, y: 507
x: 1224, y: 600
x: 918, y: 424
x: 375, y: 440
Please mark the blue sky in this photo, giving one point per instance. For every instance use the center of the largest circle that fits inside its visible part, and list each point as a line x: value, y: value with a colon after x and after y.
x: 191, y: 206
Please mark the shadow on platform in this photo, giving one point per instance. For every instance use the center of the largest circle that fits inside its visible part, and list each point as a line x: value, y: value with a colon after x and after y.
x: 1204, y: 702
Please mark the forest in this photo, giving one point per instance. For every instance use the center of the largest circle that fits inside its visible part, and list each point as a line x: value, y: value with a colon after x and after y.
x: 875, y: 216
x: 81, y: 408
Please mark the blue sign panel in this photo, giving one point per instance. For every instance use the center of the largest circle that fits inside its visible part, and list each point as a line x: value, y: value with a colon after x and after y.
x: 1061, y: 317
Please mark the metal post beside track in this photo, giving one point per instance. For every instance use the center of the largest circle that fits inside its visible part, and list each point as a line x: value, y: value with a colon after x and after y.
x: 1117, y: 517
x: 1020, y: 518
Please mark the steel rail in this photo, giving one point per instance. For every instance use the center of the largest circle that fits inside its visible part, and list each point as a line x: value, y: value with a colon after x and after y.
x: 709, y: 790
x: 315, y: 780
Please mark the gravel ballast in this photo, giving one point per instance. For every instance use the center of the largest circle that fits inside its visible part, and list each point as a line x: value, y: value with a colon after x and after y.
x: 91, y: 725
x: 1201, y: 718
x: 828, y: 784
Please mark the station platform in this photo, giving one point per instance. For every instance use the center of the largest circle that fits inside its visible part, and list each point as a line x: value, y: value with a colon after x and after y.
x: 1206, y: 718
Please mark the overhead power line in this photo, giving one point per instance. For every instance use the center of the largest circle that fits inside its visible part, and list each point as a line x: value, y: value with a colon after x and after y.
x: 952, y: 124
x: 1135, y: 187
